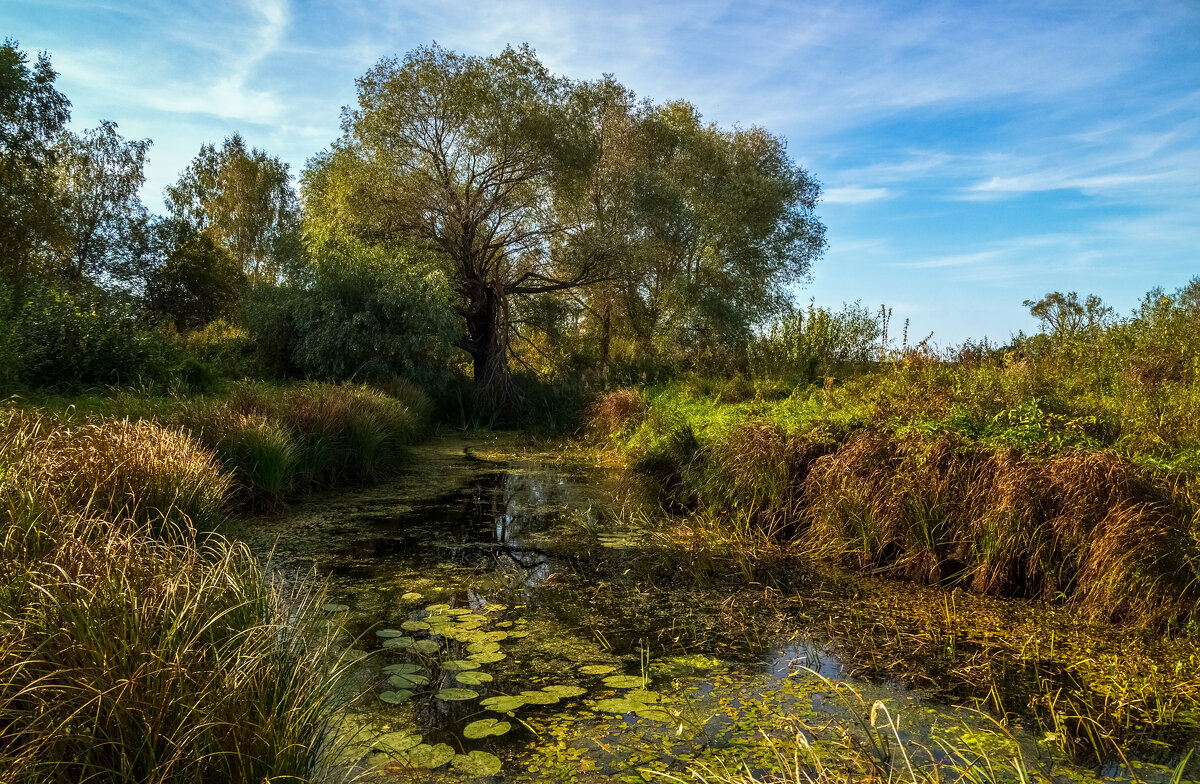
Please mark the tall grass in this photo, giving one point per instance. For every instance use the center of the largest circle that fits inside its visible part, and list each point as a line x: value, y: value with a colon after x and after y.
x: 1090, y: 527
x: 132, y: 648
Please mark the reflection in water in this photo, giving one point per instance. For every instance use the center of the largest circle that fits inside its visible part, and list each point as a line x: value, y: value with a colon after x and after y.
x: 535, y: 545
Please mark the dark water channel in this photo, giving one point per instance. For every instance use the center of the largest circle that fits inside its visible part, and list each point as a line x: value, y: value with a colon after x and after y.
x: 513, y: 624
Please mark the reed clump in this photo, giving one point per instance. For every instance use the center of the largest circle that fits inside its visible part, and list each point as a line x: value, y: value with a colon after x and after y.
x: 132, y: 647
x: 1088, y: 527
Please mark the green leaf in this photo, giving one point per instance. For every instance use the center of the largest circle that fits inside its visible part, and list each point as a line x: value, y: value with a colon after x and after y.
x: 620, y: 706
x: 398, y: 642
x: 408, y: 681
x: 487, y: 658
x: 656, y: 714
x: 472, y: 677
x: 437, y: 608
x: 386, y: 633
x: 425, y: 646
x: 333, y: 607
x: 483, y: 647
x: 405, y: 668
x: 539, y: 697
x: 565, y: 691
x: 458, y: 665
x: 414, y: 626
x: 456, y: 695
x: 396, y: 697
x: 412, y: 596
x: 477, y: 763
x: 503, y: 704
x: 426, y: 756
x: 597, y: 669
x: 485, y: 727
x: 623, y: 682
x: 396, y: 742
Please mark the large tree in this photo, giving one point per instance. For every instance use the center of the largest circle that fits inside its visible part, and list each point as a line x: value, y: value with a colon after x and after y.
x: 463, y: 154
x: 32, y: 116
x: 99, y: 176
x: 242, y: 198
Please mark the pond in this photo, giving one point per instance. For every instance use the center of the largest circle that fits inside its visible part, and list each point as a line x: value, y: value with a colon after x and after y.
x: 512, y: 622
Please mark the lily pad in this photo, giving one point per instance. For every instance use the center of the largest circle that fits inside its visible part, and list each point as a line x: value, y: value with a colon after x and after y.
x: 398, y: 642
x: 437, y: 608
x: 623, y: 682
x: 404, y: 668
x: 472, y: 677
x: 458, y: 611
x: 494, y: 636
x: 565, y: 691
x: 396, y: 742
x: 456, y: 695
x: 426, y: 756
x: 620, y: 706
x: 597, y: 669
x: 644, y: 695
x: 516, y: 635
x: 408, y: 681
x: 656, y: 714
x: 396, y: 697
x: 539, y: 697
x: 458, y: 665
x: 386, y: 633
x: 495, y: 607
x: 503, y: 704
x: 412, y: 596
x: 426, y: 646
x: 334, y: 607
x: 485, y: 727
x: 483, y: 647
x: 488, y: 658
x: 414, y: 626
x: 477, y: 763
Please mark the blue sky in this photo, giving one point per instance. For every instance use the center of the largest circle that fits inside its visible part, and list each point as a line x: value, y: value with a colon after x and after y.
x: 973, y: 154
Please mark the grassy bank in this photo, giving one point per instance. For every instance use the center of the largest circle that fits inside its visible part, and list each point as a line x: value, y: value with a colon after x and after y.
x: 136, y: 646
x: 1111, y: 535
x: 277, y: 441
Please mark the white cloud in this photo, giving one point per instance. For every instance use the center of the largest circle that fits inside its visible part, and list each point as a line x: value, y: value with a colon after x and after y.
x: 853, y: 194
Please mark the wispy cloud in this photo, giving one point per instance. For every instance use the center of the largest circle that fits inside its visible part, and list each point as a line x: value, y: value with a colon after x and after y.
x: 853, y: 194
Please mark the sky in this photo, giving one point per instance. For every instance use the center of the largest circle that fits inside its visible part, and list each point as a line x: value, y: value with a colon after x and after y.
x: 972, y: 154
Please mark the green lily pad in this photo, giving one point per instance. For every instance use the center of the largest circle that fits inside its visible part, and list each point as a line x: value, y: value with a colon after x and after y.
x: 412, y: 596
x: 386, y: 633
x: 471, y: 618
x: 472, y: 677
x: 477, y: 763
x: 623, y: 682
x: 656, y: 714
x: 437, y: 608
x: 408, y: 681
x: 597, y: 669
x: 458, y: 611
x: 493, y: 636
x: 425, y: 646
x: 396, y: 697
x: 488, y: 658
x: 414, y: 626
x: 504, y: 625
x: 334, y: 607
x: 458, y: 665
x: 405, y: 668
x: 495, y: 607
x: 516, y: 635
x: 483, y: 647
x: 396, y: 742
x: 539, y: 697
x: 644, y: 695
x: 398, y: 642
x: 503, y: 704
x: 426, y: 756
x: 565, y: 691
x: 456, y: 695
x: 485, y: 727
x: 620, y: 706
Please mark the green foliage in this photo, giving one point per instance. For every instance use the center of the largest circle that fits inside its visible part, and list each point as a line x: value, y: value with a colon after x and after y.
x: 804, y: 345
x: 199, y: 282
x: 32, y: 115
x: 70, y: 339
x: 370, y: 314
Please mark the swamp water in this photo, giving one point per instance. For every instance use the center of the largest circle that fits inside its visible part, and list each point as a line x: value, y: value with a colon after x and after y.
x: 509, y: 625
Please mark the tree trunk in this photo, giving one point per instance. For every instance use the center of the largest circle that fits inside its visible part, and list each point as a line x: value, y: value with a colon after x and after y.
x: 605, y: 340
x: 496, y: 397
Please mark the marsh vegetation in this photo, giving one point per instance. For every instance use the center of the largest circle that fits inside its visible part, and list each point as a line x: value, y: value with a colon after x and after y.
x: 257, y: 525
